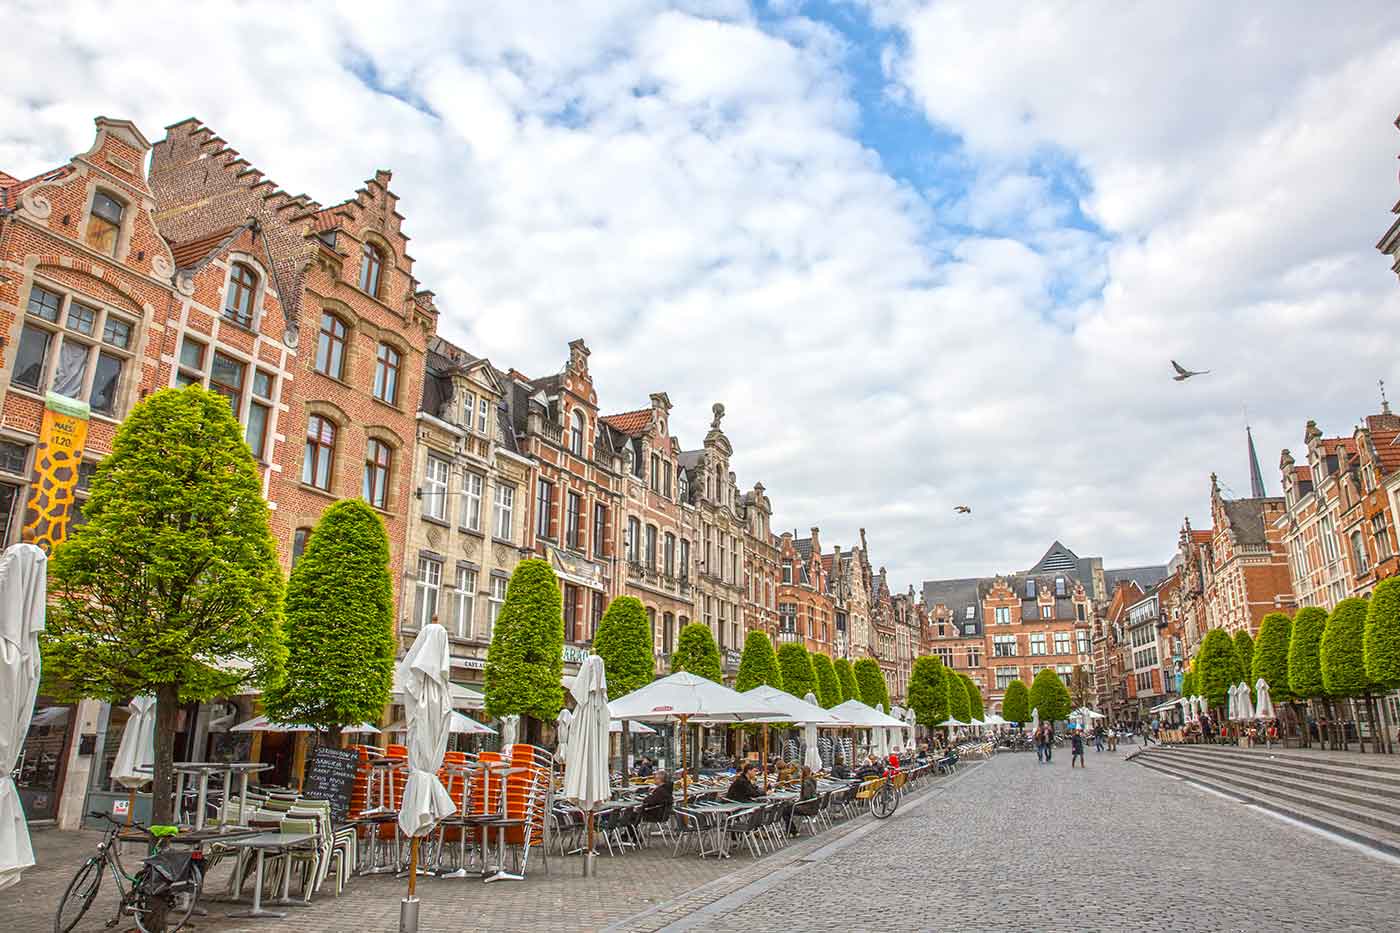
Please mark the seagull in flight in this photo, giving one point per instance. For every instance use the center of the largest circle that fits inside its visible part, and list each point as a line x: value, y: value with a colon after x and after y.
x: 1182, y: 373
x: 963, y: 509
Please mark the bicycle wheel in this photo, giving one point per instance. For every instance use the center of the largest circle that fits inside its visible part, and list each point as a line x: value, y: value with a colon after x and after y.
x: 79, y: 895
x: 170, y: 911
x: 884, y: 802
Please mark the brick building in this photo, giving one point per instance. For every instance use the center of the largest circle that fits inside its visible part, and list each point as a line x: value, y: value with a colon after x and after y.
x: 1109, y: 644
x: 953, y: 629
x: 805, y: 611
x: 761, y: 579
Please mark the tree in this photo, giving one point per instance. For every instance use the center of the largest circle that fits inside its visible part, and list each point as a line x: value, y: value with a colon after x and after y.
x: 1079, y: 686
x: 1217, y: 668
x: 625, y: 643
x: 758, y: 666
x: 697, y: 653
x: 1188, y: 684
x: 174, y: 574
x: 870, y: 683
x: 828, y: 689
x: 1244, y: 658
x: 847, y: 678
x: 339, y: 624
x: 1381, y: 643
x: 1304, y: 662
x: 1049, y: 694
x: 1341, y: 653
x: 525, y: 663
x: 1015, y: 702
x: 1270, y: 660
x: 928, y: 690
x: 958, y: 706
x: 795, y: 666
x: 974, y: 697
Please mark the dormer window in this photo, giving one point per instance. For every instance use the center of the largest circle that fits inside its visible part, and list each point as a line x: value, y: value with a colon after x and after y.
x: 576, y: 426
x: 105, y: 224
x: 242, y: 291
x: 1030, y: 589
x: 371, y: 266
x: 1059, y: 586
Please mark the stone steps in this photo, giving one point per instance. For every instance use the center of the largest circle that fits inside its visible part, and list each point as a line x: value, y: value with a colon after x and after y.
x: 1383, y: 767
x: 1345, y: 779
x: 1365, y: 814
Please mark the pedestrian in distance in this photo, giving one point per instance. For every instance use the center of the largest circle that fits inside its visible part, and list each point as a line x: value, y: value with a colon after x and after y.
x: 1098, y: 738
x: 1039, y: 739
x: 1076, y: 746
x: 1049, y: 741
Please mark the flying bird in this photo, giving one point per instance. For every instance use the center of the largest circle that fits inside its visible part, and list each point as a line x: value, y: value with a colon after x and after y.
x: 1182, y: 373
x: 963, y: 509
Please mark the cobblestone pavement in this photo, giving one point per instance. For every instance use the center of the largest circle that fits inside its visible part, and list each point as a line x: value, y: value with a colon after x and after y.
x: 637, y: 883
x: 1111, y: 847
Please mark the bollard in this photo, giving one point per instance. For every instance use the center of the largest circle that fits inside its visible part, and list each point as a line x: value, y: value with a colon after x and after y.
x: 408, y: 915
x: 589, y: 867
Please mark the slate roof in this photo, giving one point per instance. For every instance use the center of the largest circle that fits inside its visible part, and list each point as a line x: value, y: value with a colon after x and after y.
x: 631, y: 423
x: 803, y: 546
x: 957, y: 595
x: 1145, y: 577
x: 1246, y: 517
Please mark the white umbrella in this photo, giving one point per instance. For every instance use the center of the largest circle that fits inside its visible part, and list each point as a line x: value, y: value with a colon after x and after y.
x: 561, y: 729
x: 1035, y: 719
x: 1265, y: 708
x: 812, y: 757
x: 586, y: 779
x: 1232, y: 708
x: 633, y: 728
x: 136, y: 754
x: 510, y: 728
x: 1243, y: 701
x: 461, y: 725
x: 951, y: 722
x: 23, y: 591
x: 788, y: 708
x: 427, y: 700
x: 263, y: 724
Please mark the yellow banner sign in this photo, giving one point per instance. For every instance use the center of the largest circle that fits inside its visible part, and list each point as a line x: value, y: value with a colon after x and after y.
x: 62, y: 437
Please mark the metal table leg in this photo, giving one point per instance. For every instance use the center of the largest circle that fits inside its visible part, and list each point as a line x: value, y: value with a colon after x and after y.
x: 256, y: 911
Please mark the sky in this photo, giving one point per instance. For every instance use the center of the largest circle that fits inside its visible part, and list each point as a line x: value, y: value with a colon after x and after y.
x: 926, y: 254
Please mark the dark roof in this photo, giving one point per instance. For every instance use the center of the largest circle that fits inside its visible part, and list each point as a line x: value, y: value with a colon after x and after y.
x: 1246, y: 518
x: 1144, y: 577
x: 957, y: 595
x: 437, y: 384
x: 803, y: 547
x: 1058, y: 559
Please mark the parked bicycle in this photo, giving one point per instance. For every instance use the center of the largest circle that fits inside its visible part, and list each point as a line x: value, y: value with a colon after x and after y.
x: 159, y: 896
x: 886, y: 798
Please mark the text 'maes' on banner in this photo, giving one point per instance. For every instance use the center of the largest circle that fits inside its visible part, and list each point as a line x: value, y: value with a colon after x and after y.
x: 62, y: 437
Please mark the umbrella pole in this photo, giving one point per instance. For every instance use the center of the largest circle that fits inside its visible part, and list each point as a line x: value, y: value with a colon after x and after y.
x: 685, y: 774
x: 130, y: 807
x: 765, y: 757
x: 588, y: 850
x: 413, y: 866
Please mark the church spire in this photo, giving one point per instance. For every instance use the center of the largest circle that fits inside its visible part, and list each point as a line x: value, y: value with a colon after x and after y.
x: 1256, y: 478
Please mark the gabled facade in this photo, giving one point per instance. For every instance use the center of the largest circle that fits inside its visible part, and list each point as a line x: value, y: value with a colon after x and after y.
x: 805, y: 610
x: 1110, y: 646
x: 761, y: 578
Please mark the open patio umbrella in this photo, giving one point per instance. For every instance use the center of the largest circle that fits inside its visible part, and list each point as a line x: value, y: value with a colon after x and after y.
x: 263, y: 724
x: 23, y: 591
x: 427, y: 700
x: 1265, y: 708
x: 635, y: 728
x: 586, y: 779
x: 789, y: 709
x: 136, y: 755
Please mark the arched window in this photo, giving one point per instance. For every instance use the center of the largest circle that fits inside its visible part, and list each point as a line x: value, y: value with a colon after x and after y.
x: 300, y: 537
x: 330, y: 346
x: 320, y: 452
x: 378, y: 456
x: 576, y: 434
x: 242, y: 290
x: 386, y: 374
x: 370, y: 268
x: 105, y: 224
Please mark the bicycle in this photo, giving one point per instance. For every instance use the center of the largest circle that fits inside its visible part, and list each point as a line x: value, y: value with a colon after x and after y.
x: 160, y: 896
x: 885, y: 800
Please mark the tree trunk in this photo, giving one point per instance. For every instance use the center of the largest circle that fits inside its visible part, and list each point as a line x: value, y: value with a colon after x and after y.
x: 626, y: 746
x: 163, y: 778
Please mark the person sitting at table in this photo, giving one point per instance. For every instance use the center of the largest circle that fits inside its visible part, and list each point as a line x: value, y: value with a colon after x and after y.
x: 894, y: 759
x: 662, y: 795
x: 743, y: 789
x: 806, y: 801
x: 921, y: 757
x: 839, y: 769
x: 645, y: 768
x: 869, y: 769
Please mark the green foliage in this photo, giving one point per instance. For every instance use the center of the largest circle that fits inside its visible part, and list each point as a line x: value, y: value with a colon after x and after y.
x: 525, y: 662
x: 173, y: 575
x: 625, y: 643
x: 928, y: 690
x: 1217, y: 668
x: 339, y: 624
x: 1188, y: 684
x: 828, y: 688
x: 958, y: 706
x: 1341, y: 652
x: 1244, y: 658
x: 795, y: 665
x: 1271, y: 655
x: 758, y: 666
x: 1304, y: 661
x: 846, y: 677
x: 1382, y: 639
x: 1016, y: 703
x: 697, y: 653
x: 974, y: 697
x: 870, y: 681
x: 1049, y: 694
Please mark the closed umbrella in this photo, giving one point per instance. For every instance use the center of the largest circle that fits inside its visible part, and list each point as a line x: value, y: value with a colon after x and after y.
x: 586, y: 779
x: 1265, y: 708
x: 427, y: 699
x: 1232, y: 703
x: 136, y: 755
x: 1243, y: 702
x: 561, y: 729
x: 1035, y: 720
x: 510, y: 729
x: 812, y: 757
x: 23, y: 589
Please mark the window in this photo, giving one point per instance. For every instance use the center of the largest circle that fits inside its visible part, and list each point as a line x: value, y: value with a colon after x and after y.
x: 600, y: 523
x: 668, y: 624
x: 1063, y: 643
x: 300, y: 537
x: 651, y: 548
x: 970, y: 613
x: 429, y: 583
x: 573, y: 531
x: 655, y: 477
x: 974, y: 656
x: 191, y: 362
x: 483, y: 410
x: 723, y: 560
x: 105, y: 223
x: 1079, y: 611
x: 685, y: 559
x: 1083, y: 639
x: 787, y: 571
x: 1328, y: 533
x: 260, y: 413
x: 14, y: 457
x: 668, y: 555
x: 386, y: 374
x: 45, y: 304
x: 598, y: 607
x: 1045, y: 612
x: 1064, y: 670
x: 1005, y: 675
x: 435, y: 488
x: 81, y: 318
x: 242, y: 291
x: 1059, y: 586
x: 969, y: 629
x: 330, y: 346
x: 1359, y: 559
x: 31, y: 358
x: 1030, y: 589
x: 376, y: 484
x: 505, y: 515
x: 638, y: 466
x: 468, y: 406
x: 571, y: 632
x: 464, y: 601
x: 544, y: 504
x: 472, y: 485
x: 1038, y: 645
x: 226, y: 378
x: 496, y: 599
x: 81, y: 370
x: 634, y: 536
x: 1003, y: 646
x: 1003, y: 615
x: 576, y: 433
x: 320, y: 452
x: 370, y: 268
x: 1382, y: 535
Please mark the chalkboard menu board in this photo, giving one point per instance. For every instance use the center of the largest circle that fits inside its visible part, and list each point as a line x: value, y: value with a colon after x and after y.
x: 330, y: 775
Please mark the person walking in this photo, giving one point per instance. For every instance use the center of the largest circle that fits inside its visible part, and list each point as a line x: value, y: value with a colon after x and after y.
x: 1098, y: 738
x: 1113, y: 739
x: 1039, y: 739
x: 1076, y: 748
x: 1049, y: 741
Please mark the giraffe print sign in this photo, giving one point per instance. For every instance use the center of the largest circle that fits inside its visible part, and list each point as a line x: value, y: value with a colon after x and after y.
x: 62, y: 437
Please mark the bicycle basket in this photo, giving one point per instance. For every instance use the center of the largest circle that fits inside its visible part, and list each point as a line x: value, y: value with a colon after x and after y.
x: 164, y: 870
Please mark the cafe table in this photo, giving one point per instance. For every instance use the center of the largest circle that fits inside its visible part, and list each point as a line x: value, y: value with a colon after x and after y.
x: 243, y: 769
x: 277, y: 843
x: 504, y: 770
x: 724, y: 809
x: 200, y: 770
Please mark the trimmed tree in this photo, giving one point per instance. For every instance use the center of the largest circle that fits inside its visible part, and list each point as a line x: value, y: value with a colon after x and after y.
x: 1244, y: 658
x: 173, y: 574
x: 1049, y: 694
x: 1341, y: 653
x: 1188, y: 684
x: 1304, y: 662
x: 758, y: 666
x: 870, y: 682
x: 1217, y: 668
x: 1381, y: 643
x: 928, y: 690
x: 974, y: 697
x: 846, y: 677
x: 1016, y: 703
x: 958, y: 706
x: 795, y: 667
x: 828, y: 689
x: 339, y: 625
x: 1270, y: 660
x: 625, y: 643
x: 525, y: 662
x: 697, y: 653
